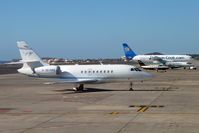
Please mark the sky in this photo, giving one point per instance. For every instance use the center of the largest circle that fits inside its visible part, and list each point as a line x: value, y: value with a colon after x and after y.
x: 81, y: 29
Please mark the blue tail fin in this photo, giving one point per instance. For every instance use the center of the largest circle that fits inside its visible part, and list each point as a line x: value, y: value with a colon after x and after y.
x: 128, y: 51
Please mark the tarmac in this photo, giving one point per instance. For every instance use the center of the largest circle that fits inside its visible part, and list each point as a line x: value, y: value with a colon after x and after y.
x: 167, y: 103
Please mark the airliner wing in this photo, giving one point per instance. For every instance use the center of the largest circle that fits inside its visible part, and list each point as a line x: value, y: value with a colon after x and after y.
x: 156, y: 58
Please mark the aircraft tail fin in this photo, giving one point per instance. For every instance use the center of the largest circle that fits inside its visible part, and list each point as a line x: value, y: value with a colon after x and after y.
x: 29, y: 57
x: 141, y: 63
x: 129, y: 53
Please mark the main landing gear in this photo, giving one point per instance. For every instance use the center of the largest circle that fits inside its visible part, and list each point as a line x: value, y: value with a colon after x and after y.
x: 79, y: 88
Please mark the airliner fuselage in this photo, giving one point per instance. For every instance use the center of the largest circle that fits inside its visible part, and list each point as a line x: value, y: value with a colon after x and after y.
x: 175, y: 58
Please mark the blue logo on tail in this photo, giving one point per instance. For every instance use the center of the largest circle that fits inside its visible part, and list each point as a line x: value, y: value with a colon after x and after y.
x: 128, y: 52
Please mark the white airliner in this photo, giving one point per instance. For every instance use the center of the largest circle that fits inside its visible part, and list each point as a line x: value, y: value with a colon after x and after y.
x: 172, y: 61
x: 76, y: 74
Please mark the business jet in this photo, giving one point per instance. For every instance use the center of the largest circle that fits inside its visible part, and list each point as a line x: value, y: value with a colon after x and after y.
x: 76, y: 74
x: 172, y: 61
x: 156, y: 67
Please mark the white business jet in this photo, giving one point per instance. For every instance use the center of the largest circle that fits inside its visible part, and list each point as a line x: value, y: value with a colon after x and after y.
x: 76, y: 74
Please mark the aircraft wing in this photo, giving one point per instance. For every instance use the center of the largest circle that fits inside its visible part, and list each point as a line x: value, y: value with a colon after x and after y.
x: 77, y: 81
x: 72, y: 79
x: 82, y: 81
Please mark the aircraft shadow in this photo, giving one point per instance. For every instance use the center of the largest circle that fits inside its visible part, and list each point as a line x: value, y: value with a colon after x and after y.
x: 90, y: 90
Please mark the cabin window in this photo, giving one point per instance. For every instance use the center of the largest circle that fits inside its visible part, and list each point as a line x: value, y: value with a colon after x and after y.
x: 96, y: 71
x: 104, y: 71
x: 93, y: 71
x: 101, y: 71
x: 82, y: 71
x: 108, y: 71
x: 85, y: 71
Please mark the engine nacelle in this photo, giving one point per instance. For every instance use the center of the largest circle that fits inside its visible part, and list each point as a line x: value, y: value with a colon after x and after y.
x: 48, y: 71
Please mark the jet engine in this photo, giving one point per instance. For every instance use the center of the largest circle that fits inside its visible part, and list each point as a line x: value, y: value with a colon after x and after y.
x: 48, y: 71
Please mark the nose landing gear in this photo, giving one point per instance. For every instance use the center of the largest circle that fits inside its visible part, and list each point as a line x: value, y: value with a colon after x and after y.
x: 131, y: 86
